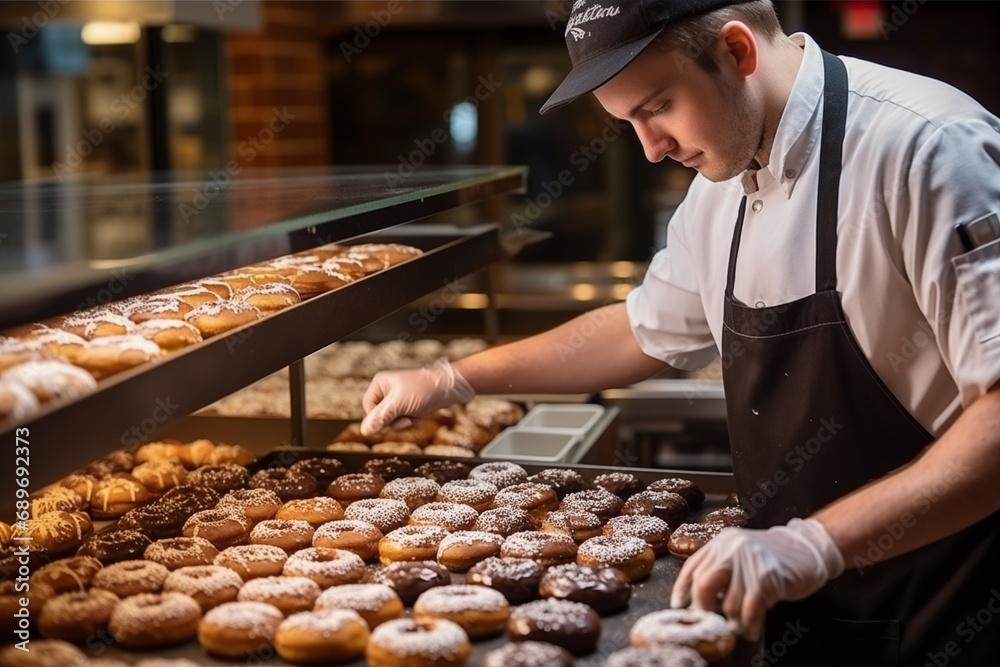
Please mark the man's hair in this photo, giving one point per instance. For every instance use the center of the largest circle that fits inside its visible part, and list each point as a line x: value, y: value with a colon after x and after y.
x: 694, y: 37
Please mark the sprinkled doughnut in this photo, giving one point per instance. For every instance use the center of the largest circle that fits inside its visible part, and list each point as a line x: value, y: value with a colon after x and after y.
x: 704, y: 631
x: 221, y: 478
x: 528, y: 654
x: 406, y: 642
x: 411, y: 543
x: 269, y: 298
x: 547, y: 548
x: 414, y: 491
x: 57, y: 532
x: 476, y: 493
x: 288, y: 534
x: 314, y: 511
x: 288, y: 484
x: 562, y: 480
x: 481, y: 611
x: 67, y: 575
x: 622, y: 484
x: 114, y: 546
x: 411, y: 578
x: 239, y: 629
x: 386, y: 514
x: 685, y: 488
x: 388, y: 468
x: 535, y: 499
x: 176, y: 552
x: 49, y: 379
x: 290, y: 595
x: 574, y: 524
x: 376, y: 603
x: 323, y: 468
x: 116, y: 495
x: 661, y: 656
x: 208, y: 585
x: 667, y: 505
x: 504, y: 521
x: 358, y: 537
x: 689, y: 537
x: 152, y: 620
x: 450, y: 516
x: 516, y: 578
x: 131, y: 577
x: 312, y: 637
x: 222, y: 527
x: 653, y: 529
x: 77, y: 616
x: 190, y: 499
x: 499, y: 473
x: 443, y: 470
x: 157, y: 520
x: 251, y: 561
x: 258, y: 504
x: 571, y: 625
x: 596, y: 501
x: 357, y: 486
x: 327, y: 567
x: 727, y: 516
x: 631, y: 555
x: 606, y: 589
x: 461, y: 550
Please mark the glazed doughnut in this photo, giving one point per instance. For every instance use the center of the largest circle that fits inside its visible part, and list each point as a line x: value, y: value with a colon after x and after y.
x: 479, y: 610
x: 397, y: 449
x: 578, y: 526
x: 222, y: 527
x: 516, y: 578
x: 667, y: 505
x: 208, y: 585
x: 727, y: 516
x: 288, y: 484
x: 314, y: 511
x: 5, y: 534
x: 196, y: 453
x: 535, y: 499
x: 571, y: 625
x: 104, y: 357
x: 169, y: 335
x: 453, y: 451
x: 689, y: 537
x: 269, y: 298
x: 348, y: 488
x: 705, y: 631
x: 450, y: 516
x: 406, y: 642
x: 461, y: 550
x: 157, y: 520
x: 196, y: 294
x: 529, y: 654
x: 251, y: 561
x: 547, y: 549
x: 153, y: 620
x: 114, y: 546
x: 504, y: 521
x: 215, y: 318
x: 55, y: 499
x: 323, y: 468
x: 411, y: 578
x: 43, y: 653
x: 414, y: 491
x: 56, y: 532
x: 562, y: 480
x: 606, y: 589
x: 386, y: 514
x: 476, y: 493
x: 661, y: 656
x: 96, y: 323
x: 314, y: 280
x: 258, y: 504
x: 379, y: 256
x: 223, y: 453
x: 631, y: 555
x: 160, y: 476
x: 358, y: 537
x: 77, y: 616
x: 289, y: 595
x: 312, y: 637
x: 499, y: 473
x: 221, y: 478
x: 239, y: 629
x: 596, y: 501
x: 288, y: 534
x: 653, y: 530
x: 177, y: 552
x: 411, y: 543
x: 442, y: 471
x: 131, y: 577
x: 84, y: 484
x: 622, y: 484
x: 327, y: 567
x: 50, y: 380
x: 154, y: 451
x: 388, y: 468
x: 162, y: 307
x: 376, y: 603
x: 16, y: 400
x: 67, y: 575
x: 686, y: 489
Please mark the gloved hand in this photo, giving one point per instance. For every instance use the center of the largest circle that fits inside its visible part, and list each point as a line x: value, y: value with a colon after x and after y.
x: 395, y: 396
x: 754, y: 569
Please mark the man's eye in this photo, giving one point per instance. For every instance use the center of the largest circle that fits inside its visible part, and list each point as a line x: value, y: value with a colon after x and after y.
x: 662, y: 109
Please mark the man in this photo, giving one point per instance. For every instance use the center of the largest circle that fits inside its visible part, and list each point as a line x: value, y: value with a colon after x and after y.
x: 854, y: 302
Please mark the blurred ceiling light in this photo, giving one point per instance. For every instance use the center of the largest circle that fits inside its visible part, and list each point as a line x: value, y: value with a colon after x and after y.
x: 620, y: 291
x: 540, y: 80
x: 473, y: 301
x: 177, y: 33
x: 622, y: 269
x: 583, y: 292
x: 98, y: 33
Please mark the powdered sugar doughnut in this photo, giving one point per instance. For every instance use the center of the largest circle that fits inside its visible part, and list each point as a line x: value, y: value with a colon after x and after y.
x: 414, y: 491
x: 689, y: 537
x: 525, y: 654
x: 67, y: 575
x: 631, y: 555
x: 289, y: 534
x: 596, y: 501
x: 77, y: 616
x: 535, y: 499
x: 504, y: 521
x: 16, y: 400
x: 499, y: 473
x: 212, y: 319
x: 239, y: 629
x: 208, y: 585
x: 314, y: 511
x: 547, y: 548
x: 661, y: 656
x: 516, y: 578
x: 222, y: 527
x: 43, y: 653
x: 49, y: 379
x: 359, y: 537
x: 176, y: 552
x: 386, y: 514
x: 288, y: 594
x: 577, y: 525
x: 461, y: 550
x: 481, y: 611
x: 327, y: 567
x: 653, y: 529
x: 704, y: 631
x: 407, y: 642
x: 152, y: 620
x: 251, y: 561
x: 269, y: 298
x: 311, y: 637
x: 109, y: 355
x: 170, y: 335
x: 476, y: 493
x: 258, y: 504
x: 450, y: 516
x: 376, y: 603
x: 131, y: 577
x: 411, y: 543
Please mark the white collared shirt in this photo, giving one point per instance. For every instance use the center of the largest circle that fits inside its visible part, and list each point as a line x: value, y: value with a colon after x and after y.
x: 919, y: 157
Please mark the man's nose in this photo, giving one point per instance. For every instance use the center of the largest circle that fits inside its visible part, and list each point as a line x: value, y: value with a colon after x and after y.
x: 656, y: 142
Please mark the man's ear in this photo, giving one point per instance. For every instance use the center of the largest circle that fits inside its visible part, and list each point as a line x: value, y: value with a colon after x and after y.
x: 738, y: 47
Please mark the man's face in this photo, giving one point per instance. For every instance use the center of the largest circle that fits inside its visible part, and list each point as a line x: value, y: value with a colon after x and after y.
x: 705, y: 121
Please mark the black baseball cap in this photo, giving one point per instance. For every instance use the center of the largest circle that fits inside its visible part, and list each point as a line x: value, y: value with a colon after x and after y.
x: 603, y: 38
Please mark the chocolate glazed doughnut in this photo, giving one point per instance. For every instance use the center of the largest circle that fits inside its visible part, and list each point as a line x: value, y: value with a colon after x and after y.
x: 571, y: 625
x: 606, y: 589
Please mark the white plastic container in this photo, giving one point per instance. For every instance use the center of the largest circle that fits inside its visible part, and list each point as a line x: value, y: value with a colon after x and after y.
x: 522, y: 444
x: 579, y: 418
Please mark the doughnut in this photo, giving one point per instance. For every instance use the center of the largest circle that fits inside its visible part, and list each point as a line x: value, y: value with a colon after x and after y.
x: 352, y: 433
x: 221, y: 478
x: 160, y: 476
x: 661, y: 656
x: 689, y: 537
x: 499, y: 473
x: 104, y: 357
x: 289, y: 595
x: 312, y: 637
x: 622, y: 484
x: 118, y: 461
x: 131, y: 577
x: 571, y: 625
x: 414, y: 491
x: 379, y: 256
x: 313, y: 280
x: 287, y: 484
x: 153, y: 620
x: 77, y: 616
x: 504, y: 521
x: 169, y: 335
x: 450, y: 516
x: 386, y: 514
x: 685, y: 488
x: 388, y: 468
x: 547, y: 548
x: 269, y: 298
x: 211, y: 319
x: 528, y: 654
x: 176, y: 552
x: 314, y: 511
x: 239, y: 629
x: 397, y: 449
x: 606, y: 589
x: 357, y: 486
x: 251, y: 561
x: 208, y: 585
x: 258, y: 504
x: 596, y: 501
x: 376, y: 603
x: 631, y: 555
x: 16, y: 400
x: 327, y: 567
x: 56, y: 532
x: 222, y: 527
x: 189, y: 499
x: 562, y: 480
x: 83, y: 484
x: 193, y: 294
x: 476, y: 493
x: 114, y: 546
x: 653, y: 530
x: 705, y: 631
x: 161, y: 307
x: 67, y: 575
x: 461, y: 550
x: 11, y: 597
x: 535, y: 499
x: 411, y: 578
x: 55, y: 499
x: 516, y: 578
x: 157, y: 520
x: 323, y: 468
x: 223, y: 453
x: 727, y: 516
x: 577, y: 525
x: 406, y: 642
x: 358, y: 537
x: 288, y: 534
x: 348, y: 447
x: 411, y: 543
x: 197, y: 453
x: 154, y: 451
x: 51, y: 380
x: 442, y: 471
x: 667, y: 505
x: 479, y: 610
x: 43, y: 653
x: 453, y: 451
x: 5, y: 534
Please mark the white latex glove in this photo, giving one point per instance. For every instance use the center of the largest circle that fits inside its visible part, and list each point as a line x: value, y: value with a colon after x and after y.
x: 394, y: 397
x: 751, y: 570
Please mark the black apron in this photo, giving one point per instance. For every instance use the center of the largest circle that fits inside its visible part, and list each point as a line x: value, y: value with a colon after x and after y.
x: 810, y: 421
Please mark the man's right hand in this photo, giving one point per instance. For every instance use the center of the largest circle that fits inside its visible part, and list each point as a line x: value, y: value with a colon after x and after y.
x: 394, y: 397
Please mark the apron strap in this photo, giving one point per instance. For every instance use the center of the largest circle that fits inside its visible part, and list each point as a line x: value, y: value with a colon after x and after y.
x: 830, y: 159
x: 735, y: 248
